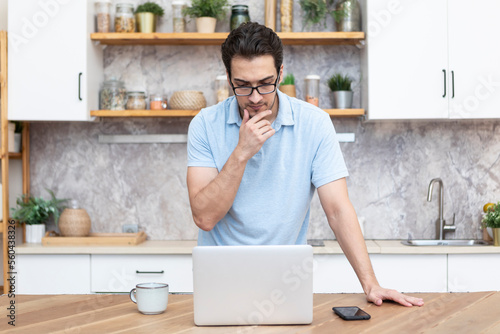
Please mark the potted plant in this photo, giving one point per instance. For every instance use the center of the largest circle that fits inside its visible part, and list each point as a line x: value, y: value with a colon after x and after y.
x: 206, y: 13
x: 491, y: 219
x: 146, y: 16
x: 313, y: 12
x: 288, y: 85
x: 340, y: 85
x: 35, y: 212
x: 347, y: 15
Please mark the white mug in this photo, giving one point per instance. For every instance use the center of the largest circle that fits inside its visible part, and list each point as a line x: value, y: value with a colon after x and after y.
x: 151, y: 298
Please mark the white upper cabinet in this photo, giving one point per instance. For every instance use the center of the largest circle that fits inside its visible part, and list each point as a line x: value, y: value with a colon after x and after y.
x: 431, y: 59
x: 54, y: 68
x: 474, y: 58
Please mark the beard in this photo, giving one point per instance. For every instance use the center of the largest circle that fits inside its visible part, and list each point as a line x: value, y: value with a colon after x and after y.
x: 255, y: 108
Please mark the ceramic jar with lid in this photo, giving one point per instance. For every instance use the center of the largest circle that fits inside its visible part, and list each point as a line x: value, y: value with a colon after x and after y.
x: 124, y: 18
x: 74, y: 221
x: 113, y: 95
x: 136, y: 101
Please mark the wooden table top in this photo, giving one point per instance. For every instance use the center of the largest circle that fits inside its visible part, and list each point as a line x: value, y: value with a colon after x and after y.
x: 442, y: 313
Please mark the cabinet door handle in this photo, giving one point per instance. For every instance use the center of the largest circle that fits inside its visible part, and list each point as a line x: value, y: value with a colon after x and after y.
x: 149, y: 272
x: 79, y: 86
x: 452, y: 84
x: 444, y: 72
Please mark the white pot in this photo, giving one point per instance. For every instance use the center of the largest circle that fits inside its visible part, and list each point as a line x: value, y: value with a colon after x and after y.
x: 35, y: 233
x: 206, y: 25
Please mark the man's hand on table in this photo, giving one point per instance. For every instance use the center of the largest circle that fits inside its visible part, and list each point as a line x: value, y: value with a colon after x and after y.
x: 378, y: 294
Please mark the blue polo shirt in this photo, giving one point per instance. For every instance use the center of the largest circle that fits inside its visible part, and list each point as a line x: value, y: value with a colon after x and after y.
x: 272, y: 204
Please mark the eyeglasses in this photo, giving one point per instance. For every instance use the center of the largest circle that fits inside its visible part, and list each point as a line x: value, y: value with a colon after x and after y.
x: 261, y: 89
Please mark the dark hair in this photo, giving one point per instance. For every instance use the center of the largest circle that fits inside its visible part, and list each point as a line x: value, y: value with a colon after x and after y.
x: 250, y: 40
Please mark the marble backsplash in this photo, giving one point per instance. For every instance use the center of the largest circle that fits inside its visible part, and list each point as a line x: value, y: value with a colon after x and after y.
x: 390, y: 163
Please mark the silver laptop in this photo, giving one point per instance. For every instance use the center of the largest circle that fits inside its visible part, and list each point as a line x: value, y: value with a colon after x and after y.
x: 253, y: 285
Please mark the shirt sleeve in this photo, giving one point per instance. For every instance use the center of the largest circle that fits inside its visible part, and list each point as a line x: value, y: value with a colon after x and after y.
x: 328, y: 163
x: 198, y: 147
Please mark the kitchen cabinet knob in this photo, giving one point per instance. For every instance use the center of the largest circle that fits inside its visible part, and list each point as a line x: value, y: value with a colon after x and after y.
x: 149, y: 272
x: 79, y: 86
x: 444, y: 72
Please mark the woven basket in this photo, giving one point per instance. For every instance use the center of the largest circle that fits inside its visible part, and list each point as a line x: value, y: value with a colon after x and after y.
x: 74, y: 223
x: 188, y: 100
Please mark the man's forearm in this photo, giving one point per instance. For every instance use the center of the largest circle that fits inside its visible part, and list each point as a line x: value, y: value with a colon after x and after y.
x: 350, y: 238
x: 213, y: 202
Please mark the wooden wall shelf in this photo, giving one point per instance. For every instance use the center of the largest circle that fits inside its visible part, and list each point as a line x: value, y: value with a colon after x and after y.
x: 191, y: 113
x: 194, y: 38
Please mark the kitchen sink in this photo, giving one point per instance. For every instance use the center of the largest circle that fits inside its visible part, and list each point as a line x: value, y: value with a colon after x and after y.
x: 445, y: 243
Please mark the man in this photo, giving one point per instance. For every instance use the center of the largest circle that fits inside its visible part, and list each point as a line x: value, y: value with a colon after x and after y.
x: 255, y: 159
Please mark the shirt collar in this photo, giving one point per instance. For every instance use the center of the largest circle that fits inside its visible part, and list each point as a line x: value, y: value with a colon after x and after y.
x: 285, y: 113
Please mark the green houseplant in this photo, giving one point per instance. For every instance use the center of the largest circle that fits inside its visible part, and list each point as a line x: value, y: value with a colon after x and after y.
x: 313, y: 12
x: 35, y: 212
x: 288, y: 85
x: 206, y: 13
x: 316, y: 11
x: 146, y: 16
x: 491, y: 219
x: 340, y: 85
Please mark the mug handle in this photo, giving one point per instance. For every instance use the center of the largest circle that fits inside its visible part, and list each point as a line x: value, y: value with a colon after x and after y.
x: 132, y: 295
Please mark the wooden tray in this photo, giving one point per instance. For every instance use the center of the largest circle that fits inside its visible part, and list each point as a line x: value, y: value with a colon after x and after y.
x: 102, y: 239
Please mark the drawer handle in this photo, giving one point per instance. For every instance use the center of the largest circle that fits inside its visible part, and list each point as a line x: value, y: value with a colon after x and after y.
x: 149, y: 272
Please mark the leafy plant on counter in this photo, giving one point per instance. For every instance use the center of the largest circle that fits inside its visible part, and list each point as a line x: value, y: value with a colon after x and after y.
x: 150, y: 7
x: 339, y: 82
x: 36, y: 210
x: 492, y: 217
x: 204, y: 8
x: 288, y: 80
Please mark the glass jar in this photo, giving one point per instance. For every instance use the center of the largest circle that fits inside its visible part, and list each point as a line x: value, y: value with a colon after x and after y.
x: 113, y: 95
x: 178, y: 17
x: 286, y: 15
x: 239, y: 15
x: 312, y: 89
x: 124, y: 18
x: 103, y: 16
x: 136, y: 101
x: 222, y: 88
x: 157, y: 102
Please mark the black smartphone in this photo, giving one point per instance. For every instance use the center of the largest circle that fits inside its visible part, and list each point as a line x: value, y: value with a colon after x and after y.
x: 351, y: 313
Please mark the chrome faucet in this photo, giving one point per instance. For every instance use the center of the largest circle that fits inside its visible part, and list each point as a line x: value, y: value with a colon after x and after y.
x: 441, y: 225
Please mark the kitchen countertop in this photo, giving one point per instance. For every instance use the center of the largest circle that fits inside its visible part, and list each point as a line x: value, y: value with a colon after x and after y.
x: 185, y: 247
x: 442, y: 313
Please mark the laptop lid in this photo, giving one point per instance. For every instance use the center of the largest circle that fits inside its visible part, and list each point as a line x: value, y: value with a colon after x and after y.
x: 253, y: 285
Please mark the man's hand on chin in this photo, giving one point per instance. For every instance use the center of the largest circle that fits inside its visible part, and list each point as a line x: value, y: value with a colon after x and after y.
x: 378, y: 294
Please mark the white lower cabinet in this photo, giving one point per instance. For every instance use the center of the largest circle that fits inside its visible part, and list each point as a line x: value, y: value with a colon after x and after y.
x: 473, y: 272
x: 406, y: 273
x: 53, y: 274
x: 120, y: 273
x: 334, y: 274
x: 92, y: 273
x: 411, y: 273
